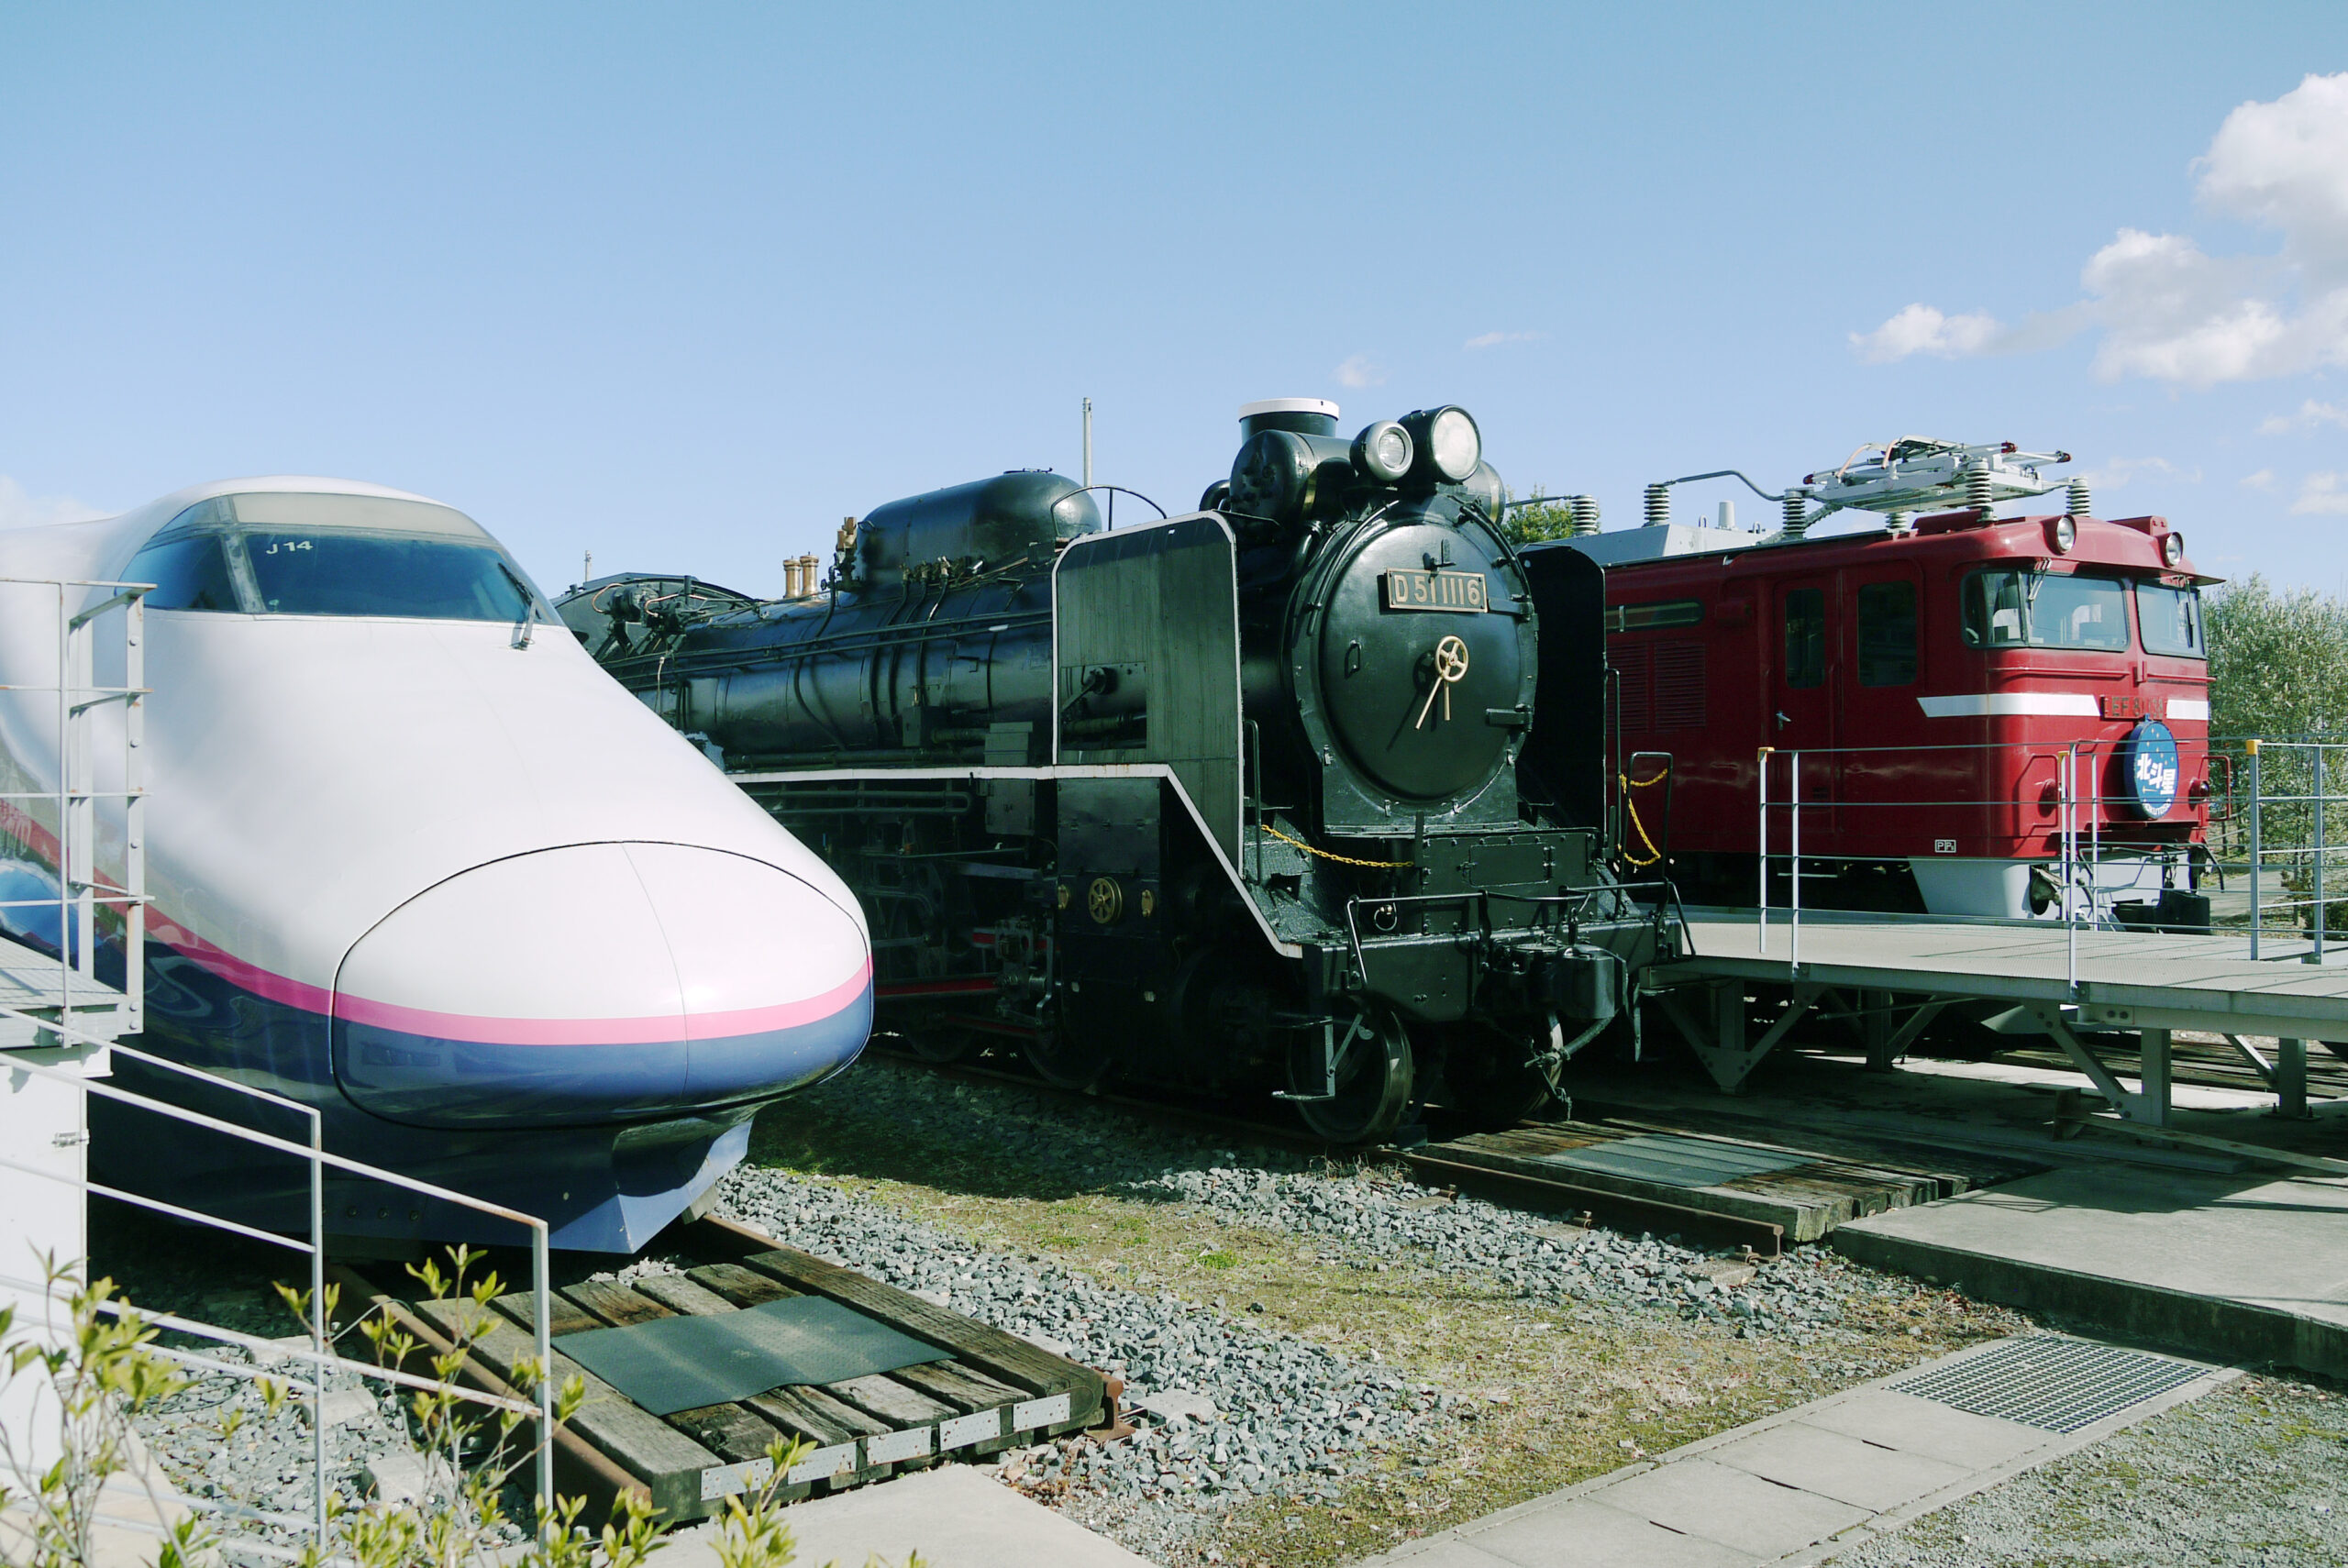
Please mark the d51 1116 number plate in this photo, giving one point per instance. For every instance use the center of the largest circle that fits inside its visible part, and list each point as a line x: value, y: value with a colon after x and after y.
x: 1463, y: 590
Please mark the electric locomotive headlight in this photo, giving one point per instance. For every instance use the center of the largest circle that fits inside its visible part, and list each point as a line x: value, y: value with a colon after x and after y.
x: 2172, y: 548
x: 1384, y: 451
x: 2067, y: 533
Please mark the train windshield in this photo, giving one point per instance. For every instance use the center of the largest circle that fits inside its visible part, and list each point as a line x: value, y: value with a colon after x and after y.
x: 2008, y: 609
x: 332, y: 555
x: 2171, y: 620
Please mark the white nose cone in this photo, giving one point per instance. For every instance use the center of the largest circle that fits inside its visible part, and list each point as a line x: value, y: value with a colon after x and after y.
x: 600, y: 982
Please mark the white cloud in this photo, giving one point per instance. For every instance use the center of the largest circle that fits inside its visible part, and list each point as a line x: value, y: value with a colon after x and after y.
x: 2115, y: 473
x: 2285, y: 165
x: 18, y: 510
x: 1493, y: 340
x: 1360, y: 372
x: 1921, y: 329
x: 2310, y: 414
x: 2323, y: 495
x: 2171, y: 312
x: 2263, y: 479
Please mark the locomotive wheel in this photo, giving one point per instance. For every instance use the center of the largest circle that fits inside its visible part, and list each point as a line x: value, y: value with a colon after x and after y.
x: 1068, y: 1062
x: 943, y: 1042
x: 1374, y: 1080
x: 1492, y: 1083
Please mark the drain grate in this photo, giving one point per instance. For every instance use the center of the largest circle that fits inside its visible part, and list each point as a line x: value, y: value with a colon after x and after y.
x: 1674, y: 1160
x: 2049, y: 1381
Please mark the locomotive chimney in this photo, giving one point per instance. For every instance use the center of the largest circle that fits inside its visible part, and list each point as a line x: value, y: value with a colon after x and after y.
x: 1303, y: 415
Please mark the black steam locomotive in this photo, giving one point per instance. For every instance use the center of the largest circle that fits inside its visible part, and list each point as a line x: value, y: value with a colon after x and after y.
x: 1257, y: 796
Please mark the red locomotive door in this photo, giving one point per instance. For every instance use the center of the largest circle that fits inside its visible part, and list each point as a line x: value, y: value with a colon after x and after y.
x: 1802, y: 718
x: 1889, y: 786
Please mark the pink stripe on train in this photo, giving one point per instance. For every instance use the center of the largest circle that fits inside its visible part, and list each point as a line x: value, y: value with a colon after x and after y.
x: 660, y: 1029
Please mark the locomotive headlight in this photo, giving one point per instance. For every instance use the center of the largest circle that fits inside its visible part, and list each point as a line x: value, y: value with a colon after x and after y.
x: 1455, y: 444
x: 1448, y: 445
x: 2172, y: 548
x: 1384, y: 451
x: 2067, y: 533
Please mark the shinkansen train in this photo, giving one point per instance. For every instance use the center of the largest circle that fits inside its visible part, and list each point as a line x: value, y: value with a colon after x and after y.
x: 1299, y: 793
x: 1993, y: 715
x: 415, y: 861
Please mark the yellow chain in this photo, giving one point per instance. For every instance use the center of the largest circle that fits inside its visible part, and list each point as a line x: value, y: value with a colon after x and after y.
x: 1340, y: 860
x: 1631, y: 809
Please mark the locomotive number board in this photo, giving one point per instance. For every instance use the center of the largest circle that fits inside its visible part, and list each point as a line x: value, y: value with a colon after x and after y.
x: 1407, y: 589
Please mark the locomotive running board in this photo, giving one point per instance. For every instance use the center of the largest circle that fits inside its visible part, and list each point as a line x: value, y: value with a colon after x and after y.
x: 1062, y: 771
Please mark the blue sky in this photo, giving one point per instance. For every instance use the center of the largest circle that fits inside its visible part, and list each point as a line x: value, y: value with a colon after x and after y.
x: 685, y: 285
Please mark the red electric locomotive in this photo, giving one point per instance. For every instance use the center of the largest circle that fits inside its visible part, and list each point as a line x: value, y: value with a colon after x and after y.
x: 1979, y: 716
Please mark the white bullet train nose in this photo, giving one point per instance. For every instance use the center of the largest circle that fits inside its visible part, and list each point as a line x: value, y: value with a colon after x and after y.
x: 600, y: 982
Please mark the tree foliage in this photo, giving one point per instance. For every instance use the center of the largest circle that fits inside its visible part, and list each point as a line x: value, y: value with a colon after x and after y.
x: 2278, y: 661
x: 1538, y: 520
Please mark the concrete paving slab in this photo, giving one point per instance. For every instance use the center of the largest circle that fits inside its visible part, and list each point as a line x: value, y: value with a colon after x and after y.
x: 1732, y: 1507
x: 1791, y: 1489
x: 1908, y: 1425
x: 954, y: 1516
x: 1446, y: 1551
x: 1586, y: 1533
x: 1848, y: 1469
x: 2235, y: 1266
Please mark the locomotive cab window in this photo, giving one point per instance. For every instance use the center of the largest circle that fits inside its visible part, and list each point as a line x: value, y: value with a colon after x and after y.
x: 333, y: 554
x: 2170, y: 620
x: 189, y: 573
x: 2008, y: 609
x: 1887, y: 634
x: 1806, y: 637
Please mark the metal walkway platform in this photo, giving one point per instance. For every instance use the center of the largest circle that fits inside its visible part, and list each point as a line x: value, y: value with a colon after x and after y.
x: 30, y: 993
x: 1892, y: 975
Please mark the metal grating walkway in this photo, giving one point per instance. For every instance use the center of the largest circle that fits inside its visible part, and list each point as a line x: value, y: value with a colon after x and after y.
x: 2046, y: 1381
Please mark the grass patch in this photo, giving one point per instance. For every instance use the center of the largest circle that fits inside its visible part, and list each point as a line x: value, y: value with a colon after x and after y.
x: 1555, y: 1392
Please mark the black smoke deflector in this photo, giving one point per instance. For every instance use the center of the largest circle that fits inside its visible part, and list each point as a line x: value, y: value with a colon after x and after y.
x: 683, y: 1363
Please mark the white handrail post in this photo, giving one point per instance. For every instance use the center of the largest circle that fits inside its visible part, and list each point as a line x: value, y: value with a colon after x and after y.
x: 2071, y: 867
x: 64, y: 814
x: 134, y: 808
x: 541, y: 1290
x: 1762, y: 762
x: 2255, y: 852
x: 2315, y: 955
x: 318, y: 1318
x: 2096, y: 807
x: 1794, y: 899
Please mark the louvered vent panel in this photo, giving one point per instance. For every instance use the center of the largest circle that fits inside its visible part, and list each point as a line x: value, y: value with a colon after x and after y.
x: 1679, y: 686
x: 1634, y: 665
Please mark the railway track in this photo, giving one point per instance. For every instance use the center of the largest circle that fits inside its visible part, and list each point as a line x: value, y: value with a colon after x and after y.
x: 1426, y: 1162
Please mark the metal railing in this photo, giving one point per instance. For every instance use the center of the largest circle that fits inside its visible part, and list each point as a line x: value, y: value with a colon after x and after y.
x: 84, y: 891
x: 72, y: 835
x: 2290, y: 812
x: 2102, y: 849
x: 2274, y: 811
